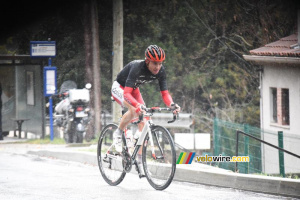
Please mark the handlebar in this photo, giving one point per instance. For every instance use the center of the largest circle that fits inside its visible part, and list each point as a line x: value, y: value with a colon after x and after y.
x: 157, y: 109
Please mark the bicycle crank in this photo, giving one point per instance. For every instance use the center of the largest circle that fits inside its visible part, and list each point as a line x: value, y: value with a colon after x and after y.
x: 127, y: 162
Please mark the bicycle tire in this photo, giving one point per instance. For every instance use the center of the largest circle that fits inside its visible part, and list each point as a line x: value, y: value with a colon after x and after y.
x: 111, y: 169
x: 159, y: 172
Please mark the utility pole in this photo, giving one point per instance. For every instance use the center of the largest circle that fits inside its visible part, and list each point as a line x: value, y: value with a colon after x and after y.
x: 92, y: 56
x: 96, y: 66
x: 117, y: 49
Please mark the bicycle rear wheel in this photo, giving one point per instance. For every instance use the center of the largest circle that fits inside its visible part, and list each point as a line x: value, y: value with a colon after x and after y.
x: 159, y: 159
x: 109, y: 162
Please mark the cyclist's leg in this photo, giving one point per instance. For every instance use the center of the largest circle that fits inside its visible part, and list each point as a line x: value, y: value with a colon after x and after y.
x: 132, y: 111
x: 128, y: 116
x: 138, y: 96
x: 117, y: 92
x: 131, y: 114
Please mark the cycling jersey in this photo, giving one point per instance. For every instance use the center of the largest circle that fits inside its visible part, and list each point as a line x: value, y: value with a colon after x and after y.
x: 135, y: 74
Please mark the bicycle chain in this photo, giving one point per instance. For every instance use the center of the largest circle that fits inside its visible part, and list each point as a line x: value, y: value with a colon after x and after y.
x: 127, y: 161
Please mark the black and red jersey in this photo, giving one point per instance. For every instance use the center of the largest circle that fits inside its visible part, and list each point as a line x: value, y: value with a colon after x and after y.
x: 136, y: 73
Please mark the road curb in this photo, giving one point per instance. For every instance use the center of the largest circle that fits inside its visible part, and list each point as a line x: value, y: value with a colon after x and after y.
x: 83, y: 157
x: 254, y: 183
x: 192, y: 174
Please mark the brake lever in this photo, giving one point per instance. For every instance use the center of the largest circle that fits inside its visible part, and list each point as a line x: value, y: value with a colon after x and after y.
x: 141, y: 117
x: 175, y: 116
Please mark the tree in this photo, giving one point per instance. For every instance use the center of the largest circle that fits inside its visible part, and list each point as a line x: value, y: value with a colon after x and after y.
x: 204, y: 43
x: 92, y: 61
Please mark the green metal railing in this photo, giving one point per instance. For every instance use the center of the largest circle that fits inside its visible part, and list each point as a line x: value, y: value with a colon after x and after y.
x: 225, y: 143
x: 279, y: 147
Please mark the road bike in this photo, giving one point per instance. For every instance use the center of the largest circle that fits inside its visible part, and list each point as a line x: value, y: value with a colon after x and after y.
x: 158, y: 153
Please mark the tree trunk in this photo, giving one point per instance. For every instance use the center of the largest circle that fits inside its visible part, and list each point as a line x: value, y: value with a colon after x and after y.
x: 92, y: 62
x: 117, y: 49
x: 87, y: 41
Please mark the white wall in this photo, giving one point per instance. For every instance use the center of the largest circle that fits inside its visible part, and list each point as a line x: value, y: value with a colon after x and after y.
x: 281, y: 77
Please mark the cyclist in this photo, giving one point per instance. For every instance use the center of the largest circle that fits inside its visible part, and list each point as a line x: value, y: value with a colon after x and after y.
x: 125, y: 89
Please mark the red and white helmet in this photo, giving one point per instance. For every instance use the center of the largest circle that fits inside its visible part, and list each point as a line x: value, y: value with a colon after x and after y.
x: 155, y: 53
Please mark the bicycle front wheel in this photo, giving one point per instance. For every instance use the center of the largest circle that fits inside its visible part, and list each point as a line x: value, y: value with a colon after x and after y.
x: 159, y: 158
x: 109, y: 162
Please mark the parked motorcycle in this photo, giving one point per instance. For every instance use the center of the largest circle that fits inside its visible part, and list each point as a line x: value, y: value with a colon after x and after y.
x: 72, y: 112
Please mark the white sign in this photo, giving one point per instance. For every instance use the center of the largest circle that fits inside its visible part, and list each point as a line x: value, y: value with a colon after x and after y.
x: 186, y: 140
x: 193, y: 141
x: 49, y: 81
x: 42, y: 49
x: 202, y: 141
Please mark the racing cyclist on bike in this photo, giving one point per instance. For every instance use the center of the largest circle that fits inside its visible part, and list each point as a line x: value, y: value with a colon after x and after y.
x: 125, y: 89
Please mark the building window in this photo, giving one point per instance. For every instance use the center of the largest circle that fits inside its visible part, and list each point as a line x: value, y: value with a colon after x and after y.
x: 280, y: 106
x: 274, y: 105
x: 30, y: 87
x: 285, y: 107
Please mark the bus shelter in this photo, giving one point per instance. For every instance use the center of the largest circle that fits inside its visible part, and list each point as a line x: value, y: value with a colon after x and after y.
x: 22, y: 95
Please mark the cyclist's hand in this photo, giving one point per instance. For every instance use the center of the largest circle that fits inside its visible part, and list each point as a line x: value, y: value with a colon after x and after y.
x: 175, y: 107
x: 140, y: 109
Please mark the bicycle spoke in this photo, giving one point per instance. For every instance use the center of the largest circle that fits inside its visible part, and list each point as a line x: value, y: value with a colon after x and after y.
x: 159, y: 144
x: 160, y: 169
x: 110, y: 163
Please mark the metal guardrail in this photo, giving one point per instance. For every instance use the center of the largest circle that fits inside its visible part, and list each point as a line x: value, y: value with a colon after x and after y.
x: 262, y: 141
x: 185, y: 120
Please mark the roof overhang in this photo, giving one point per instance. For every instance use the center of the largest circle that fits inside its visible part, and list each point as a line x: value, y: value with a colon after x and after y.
x: 14, y: 57
x: 19, y: 59
x: 262, y: 60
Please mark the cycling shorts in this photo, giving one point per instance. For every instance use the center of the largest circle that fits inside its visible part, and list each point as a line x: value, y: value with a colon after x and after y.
x: 117, y: 92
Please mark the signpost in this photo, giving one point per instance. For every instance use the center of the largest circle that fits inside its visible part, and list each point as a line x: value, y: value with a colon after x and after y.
x: 47, y: 49
x: 42, y: 48
x: 49, y: 81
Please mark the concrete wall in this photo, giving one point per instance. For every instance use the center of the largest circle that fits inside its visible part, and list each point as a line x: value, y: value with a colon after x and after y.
x: 281, y: 77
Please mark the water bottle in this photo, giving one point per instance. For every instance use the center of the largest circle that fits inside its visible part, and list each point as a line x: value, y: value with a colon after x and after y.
x: 129, y: 138
x: 137, y: 136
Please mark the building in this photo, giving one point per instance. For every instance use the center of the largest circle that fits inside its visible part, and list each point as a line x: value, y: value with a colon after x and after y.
x: 280, y: 100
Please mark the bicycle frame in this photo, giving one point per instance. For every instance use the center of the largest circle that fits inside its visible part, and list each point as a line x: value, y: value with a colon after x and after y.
x: 146, y: 129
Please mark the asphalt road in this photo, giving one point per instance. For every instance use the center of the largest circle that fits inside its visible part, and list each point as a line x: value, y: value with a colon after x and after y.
x: 24, y: 176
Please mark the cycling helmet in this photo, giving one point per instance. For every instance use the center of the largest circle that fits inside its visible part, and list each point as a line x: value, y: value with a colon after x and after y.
x: 155, y: 53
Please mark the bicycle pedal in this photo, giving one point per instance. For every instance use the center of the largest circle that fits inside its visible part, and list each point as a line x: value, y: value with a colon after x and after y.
x: 142, y: 176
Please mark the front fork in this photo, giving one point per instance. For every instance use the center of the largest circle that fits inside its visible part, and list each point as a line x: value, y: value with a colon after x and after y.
x: 151, y: 134
x: 152, y: 143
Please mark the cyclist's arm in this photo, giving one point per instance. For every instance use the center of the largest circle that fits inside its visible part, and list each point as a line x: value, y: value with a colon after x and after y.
x: 166, y: 97
x: 162, y: 80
